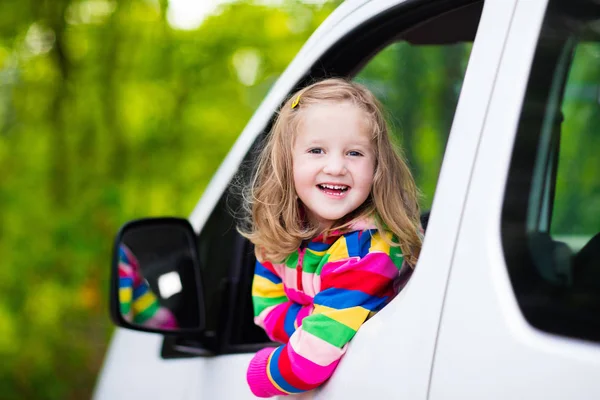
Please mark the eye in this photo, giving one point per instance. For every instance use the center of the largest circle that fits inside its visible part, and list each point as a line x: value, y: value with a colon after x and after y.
x: 316, y: 150
x: 355, y: 153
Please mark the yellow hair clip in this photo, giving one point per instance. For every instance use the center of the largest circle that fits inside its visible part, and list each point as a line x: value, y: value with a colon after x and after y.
x: 296, y: 102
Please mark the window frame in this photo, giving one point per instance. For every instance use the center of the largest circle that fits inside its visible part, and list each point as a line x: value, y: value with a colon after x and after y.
x: 345, y: 59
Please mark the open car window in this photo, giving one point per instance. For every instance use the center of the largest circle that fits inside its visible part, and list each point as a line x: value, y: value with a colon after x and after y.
x: 419, y: 85
x: 414, y: 60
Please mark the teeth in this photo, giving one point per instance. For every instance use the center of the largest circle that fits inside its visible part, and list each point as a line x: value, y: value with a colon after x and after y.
x: 335, y: 187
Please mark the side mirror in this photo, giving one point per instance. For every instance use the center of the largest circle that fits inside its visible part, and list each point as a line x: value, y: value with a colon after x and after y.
x: 155, y: 279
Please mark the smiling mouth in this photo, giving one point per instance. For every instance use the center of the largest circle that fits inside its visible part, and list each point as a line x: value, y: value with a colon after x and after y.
x: 336, y: 190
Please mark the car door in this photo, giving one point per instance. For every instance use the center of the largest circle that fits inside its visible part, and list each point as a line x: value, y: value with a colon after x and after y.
x: 417, y: 57
x: 521, y: 315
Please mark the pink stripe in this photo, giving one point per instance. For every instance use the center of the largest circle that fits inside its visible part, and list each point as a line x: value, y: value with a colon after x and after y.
x: 125, y: 270
x: 311, y: 284
x: 163, y: 319
x: 303, y: 313
x: 280, y: 269
x: 376, y: 262
x: 260, y: 319
x: 298, y: 297
x: 306, y: 369
x: 315, y: 349
x: 290, y: 279
x: 272, y: 318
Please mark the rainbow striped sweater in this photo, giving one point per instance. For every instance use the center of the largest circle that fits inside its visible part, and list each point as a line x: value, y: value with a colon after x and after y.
x: 315, y: 302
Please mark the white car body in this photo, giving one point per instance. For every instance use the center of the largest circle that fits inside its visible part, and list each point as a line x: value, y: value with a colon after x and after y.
x: 456, y: 331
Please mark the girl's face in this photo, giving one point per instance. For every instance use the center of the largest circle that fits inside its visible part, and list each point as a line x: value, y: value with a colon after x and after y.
x: 333, y: 161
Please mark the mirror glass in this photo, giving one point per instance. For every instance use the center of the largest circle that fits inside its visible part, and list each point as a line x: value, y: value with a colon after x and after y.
x: 158, y: 277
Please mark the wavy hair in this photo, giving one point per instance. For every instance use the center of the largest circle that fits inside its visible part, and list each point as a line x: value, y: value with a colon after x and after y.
x: 273, y: 215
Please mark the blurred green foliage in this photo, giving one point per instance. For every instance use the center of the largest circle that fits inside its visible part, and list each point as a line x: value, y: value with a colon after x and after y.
x: 577, y: 197
x: 107, y: 113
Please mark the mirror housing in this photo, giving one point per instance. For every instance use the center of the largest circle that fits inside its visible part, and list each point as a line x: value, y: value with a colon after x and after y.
x: 155, y: 283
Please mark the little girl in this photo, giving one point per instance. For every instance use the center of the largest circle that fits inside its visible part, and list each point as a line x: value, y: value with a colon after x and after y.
x: 334, y: 218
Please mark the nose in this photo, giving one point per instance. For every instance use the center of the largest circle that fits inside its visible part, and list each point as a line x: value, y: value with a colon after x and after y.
x: 335, y: 165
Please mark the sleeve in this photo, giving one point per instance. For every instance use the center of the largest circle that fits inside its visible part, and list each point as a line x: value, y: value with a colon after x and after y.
x: 138, y: 303
x: 351, y: 289
x: 273, y: 311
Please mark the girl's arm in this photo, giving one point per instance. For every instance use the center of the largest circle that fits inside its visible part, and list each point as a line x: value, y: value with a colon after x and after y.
x: 273, y: 311
x: 138, y: 303
x: 350, y: 290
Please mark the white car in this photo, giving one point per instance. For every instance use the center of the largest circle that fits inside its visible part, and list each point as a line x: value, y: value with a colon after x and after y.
x: 505, y: 299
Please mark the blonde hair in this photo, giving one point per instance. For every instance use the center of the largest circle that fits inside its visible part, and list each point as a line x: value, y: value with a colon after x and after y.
x: 273, y: 213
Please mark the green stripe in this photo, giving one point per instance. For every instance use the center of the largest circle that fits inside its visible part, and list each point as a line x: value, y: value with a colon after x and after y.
x: 146, y: 314
x: 322, y: 263
x: 260, y: 303
x: 396, y: 256
x: 292, y: 260
x: 125, y: 307
x: 328, y: 329
x: 311, y: 261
